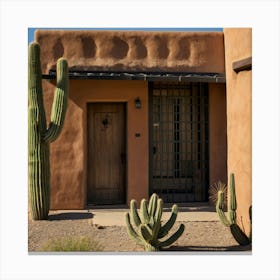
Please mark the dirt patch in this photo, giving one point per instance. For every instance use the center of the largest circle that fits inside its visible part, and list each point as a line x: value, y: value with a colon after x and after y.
x: 198, y: 236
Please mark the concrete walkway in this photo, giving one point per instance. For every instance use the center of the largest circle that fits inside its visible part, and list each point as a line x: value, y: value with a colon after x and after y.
x: 116, y: 216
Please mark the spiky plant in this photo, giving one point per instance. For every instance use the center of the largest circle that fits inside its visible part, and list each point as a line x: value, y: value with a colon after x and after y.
x: 39, y: 134
x: 213, y: 194
x: 238, y: 234
x: 149, y: 229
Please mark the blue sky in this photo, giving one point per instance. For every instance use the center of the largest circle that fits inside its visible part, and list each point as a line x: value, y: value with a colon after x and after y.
x: 31, y: 30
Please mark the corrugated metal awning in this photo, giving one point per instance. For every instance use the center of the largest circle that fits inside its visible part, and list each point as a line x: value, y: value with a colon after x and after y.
x: 168, y: 77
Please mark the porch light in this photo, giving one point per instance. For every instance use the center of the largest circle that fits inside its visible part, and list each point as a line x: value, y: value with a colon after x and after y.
x: 137, y: 102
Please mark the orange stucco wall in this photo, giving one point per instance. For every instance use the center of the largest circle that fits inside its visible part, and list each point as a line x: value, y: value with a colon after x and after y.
x: 188, y: 51
x: 69, y: 151
x: 238, y: 45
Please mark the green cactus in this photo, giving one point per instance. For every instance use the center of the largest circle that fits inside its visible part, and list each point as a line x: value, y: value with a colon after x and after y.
x: 230, y: 222
x: 39, y: 135
x: 149, y: 228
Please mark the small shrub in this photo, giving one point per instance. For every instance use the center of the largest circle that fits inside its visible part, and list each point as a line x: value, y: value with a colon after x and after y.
x: 72, y: 244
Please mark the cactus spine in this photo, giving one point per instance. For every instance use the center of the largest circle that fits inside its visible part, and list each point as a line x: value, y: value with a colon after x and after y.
x: 149, y: 228
x: 230, y: 222
x: 39, y: 135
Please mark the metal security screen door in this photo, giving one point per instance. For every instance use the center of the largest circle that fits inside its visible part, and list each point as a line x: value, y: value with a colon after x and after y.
x: 179, y: 141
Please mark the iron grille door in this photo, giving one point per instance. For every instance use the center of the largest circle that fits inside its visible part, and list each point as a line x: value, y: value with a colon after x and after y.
x: 179, y: 141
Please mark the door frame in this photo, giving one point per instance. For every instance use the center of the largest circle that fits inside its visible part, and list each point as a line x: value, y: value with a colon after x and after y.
x: 125, y: 149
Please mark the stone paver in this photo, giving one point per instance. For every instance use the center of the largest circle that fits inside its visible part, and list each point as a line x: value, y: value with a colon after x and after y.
x: 109, y: 217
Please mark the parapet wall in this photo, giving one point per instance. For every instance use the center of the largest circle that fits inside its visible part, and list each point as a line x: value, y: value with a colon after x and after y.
x: 133, y: 51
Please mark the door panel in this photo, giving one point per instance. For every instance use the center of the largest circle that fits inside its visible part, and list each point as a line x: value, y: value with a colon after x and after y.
x: 106, y: 153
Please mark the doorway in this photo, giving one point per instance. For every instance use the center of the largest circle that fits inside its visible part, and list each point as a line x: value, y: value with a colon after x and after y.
x: 106, y: 163
x: 179, y: 141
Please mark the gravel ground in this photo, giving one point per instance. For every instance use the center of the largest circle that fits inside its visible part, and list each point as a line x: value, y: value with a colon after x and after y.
x: 198, y: 235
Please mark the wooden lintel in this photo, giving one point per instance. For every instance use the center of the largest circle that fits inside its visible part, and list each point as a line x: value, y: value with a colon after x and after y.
x: 243, y: 64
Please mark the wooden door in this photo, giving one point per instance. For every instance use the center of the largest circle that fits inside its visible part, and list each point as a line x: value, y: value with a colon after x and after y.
x: 106, y: 153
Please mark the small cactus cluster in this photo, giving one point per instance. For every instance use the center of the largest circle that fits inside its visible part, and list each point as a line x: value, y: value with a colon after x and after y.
x: 39, y: 134
x: 230, y: 222
x: 149, y: 226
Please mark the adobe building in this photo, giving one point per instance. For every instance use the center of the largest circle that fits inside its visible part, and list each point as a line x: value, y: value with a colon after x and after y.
x: 164, y: 112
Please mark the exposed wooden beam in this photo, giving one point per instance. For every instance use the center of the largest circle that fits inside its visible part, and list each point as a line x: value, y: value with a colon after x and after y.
x: 243, y: 64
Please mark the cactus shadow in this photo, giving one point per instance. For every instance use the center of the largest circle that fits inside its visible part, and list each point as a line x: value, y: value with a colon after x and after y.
x: 191, y: 207
x: 70, y: 216
x: 233, y: 248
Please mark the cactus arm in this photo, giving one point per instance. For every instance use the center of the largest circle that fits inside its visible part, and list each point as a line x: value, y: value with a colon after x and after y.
x: 152, y: 205
x: 250, y: 216
x: 134, y: 213
x: 147, y: 239
x: 219, y: 210
x: 172, y: 238
x: 60, y: 102
x: 239, y: 235
x: 232, y: 200
x: 144, y: 212
x: 157, y: 220
x: 130, y: 230
x: 232, y: 193
x: 145, y: 233
x: 35, y: 92
x: 169, y: 224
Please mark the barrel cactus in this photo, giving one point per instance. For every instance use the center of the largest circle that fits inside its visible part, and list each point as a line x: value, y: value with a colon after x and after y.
x: 149, y: 229
x: 238, y: 234
x: 39, y: 134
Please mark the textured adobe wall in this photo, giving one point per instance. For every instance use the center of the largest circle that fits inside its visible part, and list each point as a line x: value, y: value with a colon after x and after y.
x: 238, y: 45
x: 217, y: 133
x: 118, y: 51
x: 68, y: 152
x: 133, y: 51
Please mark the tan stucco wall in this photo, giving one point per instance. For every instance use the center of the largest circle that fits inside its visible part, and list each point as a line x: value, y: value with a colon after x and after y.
x: 238, y: 45
x: 145, y: 51
x: 133, y: 50
x: 217, y: 134
x: 69, y: 151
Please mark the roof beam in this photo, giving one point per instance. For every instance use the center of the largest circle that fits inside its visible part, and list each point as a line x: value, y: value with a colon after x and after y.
x: 243, y: 64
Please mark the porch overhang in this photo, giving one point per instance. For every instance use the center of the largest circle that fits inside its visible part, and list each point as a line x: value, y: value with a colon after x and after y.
x: 150, y: 77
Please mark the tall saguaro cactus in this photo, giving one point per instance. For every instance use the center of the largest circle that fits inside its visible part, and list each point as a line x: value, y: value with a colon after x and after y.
x: 39, y: 134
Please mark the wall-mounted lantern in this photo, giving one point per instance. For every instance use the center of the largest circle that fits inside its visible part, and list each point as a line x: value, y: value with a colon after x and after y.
x: 137, y: 103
